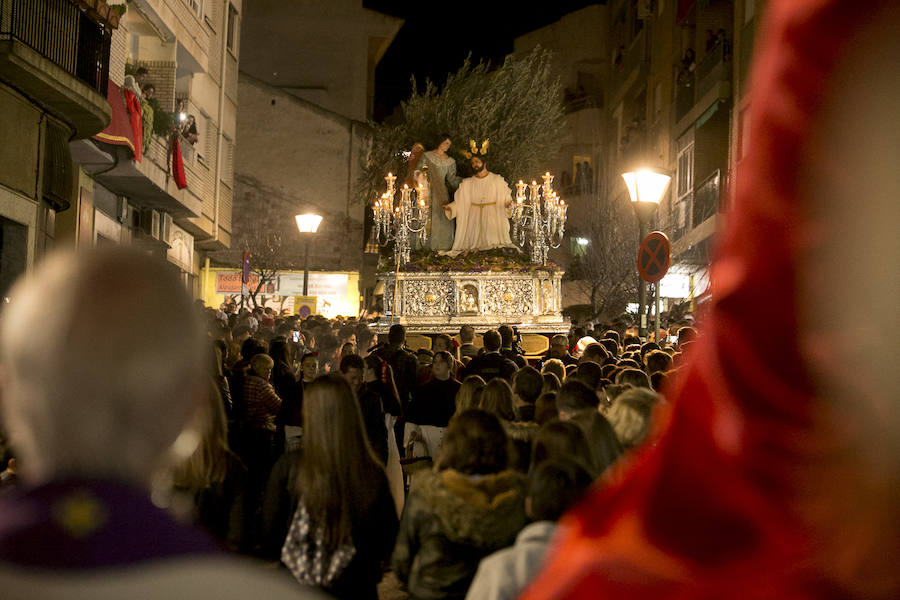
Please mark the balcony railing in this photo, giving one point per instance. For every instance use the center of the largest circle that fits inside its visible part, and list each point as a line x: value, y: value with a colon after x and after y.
x: 680, y: 217
x: 714, y: 67
x: 633, y: 58
x: 706, y: 198
x: 684, y: 95
x: 62, y: 33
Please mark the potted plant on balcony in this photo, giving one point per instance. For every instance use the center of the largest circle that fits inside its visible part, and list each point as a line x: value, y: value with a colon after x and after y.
x: 102, y: 9
x: 116, y: 12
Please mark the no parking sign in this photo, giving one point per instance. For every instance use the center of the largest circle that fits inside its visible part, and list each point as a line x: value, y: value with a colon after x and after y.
x: 653, y: 257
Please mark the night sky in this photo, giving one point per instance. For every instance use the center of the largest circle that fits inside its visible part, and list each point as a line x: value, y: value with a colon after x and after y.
x: 437, y: 37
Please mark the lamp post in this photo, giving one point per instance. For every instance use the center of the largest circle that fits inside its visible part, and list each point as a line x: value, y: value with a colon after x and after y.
x: 646, y: 188
x: 308, y: 224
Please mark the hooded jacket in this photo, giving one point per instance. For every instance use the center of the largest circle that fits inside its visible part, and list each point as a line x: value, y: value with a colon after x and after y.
x: 452, y: 521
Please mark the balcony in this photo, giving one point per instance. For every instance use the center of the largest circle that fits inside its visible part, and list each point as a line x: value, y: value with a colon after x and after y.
x: 624, y: 71
x: 684, y: 94
x: 715, y: 67
x: 59, y: 57
x: 706, y: 199
x: 581, y: 100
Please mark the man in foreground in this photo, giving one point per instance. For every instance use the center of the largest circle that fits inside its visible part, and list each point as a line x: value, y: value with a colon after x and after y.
x: 96, y: 395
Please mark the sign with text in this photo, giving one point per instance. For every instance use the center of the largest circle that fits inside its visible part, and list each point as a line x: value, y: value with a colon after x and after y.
x: 229, y: 282
x: 320, y: 284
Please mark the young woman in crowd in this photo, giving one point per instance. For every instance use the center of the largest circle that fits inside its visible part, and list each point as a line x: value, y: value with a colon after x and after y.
x: 213, y: 479
x: 497, y: 399
x: 345, y: 524
x: 469, y: 394
x: 468, y: 507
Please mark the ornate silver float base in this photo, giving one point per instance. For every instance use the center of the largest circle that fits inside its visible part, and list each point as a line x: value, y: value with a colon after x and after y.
x: 442, y: 302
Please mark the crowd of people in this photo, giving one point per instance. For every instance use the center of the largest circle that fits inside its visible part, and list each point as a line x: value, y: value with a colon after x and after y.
x: 343, y: 455
x: 768, y: 469
x: 341, y: 433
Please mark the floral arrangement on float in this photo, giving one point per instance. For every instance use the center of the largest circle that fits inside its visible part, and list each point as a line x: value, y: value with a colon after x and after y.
x: 498, y: 260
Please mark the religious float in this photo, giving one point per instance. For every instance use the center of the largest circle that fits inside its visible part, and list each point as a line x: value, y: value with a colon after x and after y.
x: 431, y: 292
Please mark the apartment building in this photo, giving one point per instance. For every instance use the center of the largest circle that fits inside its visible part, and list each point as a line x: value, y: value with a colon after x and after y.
x: 130, y: 183
x: 671, y: 77
x: 54, y: 64
x: 306, y: 89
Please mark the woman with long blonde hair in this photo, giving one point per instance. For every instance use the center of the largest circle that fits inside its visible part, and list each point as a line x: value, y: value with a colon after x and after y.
x: 469, y: 394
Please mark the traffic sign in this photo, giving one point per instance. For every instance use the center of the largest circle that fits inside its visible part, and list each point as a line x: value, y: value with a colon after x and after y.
x: 653, y: 257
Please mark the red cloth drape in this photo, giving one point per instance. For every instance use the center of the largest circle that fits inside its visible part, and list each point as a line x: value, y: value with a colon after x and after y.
x: 732, y: 501
x: 178, y: 164
x: 137, y: 127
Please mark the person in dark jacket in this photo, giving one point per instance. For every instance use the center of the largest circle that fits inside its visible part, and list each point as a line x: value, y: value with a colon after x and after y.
x: 491, y: 363
x: 559, y: 349
x: 402, y: 361
x: 435, y: 402
x: 470, y: 506
x: 508, y: 346
x: 370, y: 404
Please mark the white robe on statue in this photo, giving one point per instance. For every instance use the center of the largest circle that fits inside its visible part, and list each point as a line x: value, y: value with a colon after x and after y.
x: 481, y: 213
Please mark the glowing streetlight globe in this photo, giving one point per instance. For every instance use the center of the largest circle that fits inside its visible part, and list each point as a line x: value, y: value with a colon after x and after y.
x: 308, y: 223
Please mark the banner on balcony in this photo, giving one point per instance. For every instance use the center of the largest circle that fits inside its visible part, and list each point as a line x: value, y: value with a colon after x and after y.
x: 684, y: 7
x: 135, y: 116
x: 119, y: 131
x: 178, y: 165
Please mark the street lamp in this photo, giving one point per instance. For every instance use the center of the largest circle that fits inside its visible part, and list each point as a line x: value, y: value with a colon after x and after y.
x: 308, y: 224
x: 646, y: 188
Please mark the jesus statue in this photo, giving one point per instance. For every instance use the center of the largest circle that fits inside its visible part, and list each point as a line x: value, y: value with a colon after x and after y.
x: 482, y: 207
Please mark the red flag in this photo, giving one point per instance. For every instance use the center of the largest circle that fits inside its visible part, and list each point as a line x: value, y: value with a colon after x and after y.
x: 178, y: 165
x: 137, y: 126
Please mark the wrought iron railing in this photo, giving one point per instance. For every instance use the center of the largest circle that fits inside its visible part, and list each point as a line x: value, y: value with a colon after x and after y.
x: 61, y: 32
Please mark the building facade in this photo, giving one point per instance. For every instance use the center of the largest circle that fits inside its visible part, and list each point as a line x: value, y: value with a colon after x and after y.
x: 306, y: 91
x: 52, y: 90
x: 167, y: 184
x: 669, y: 94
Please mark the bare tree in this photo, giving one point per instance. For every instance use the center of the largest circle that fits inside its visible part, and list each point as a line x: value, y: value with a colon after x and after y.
x: 604, y: 269
x: 268, y: 233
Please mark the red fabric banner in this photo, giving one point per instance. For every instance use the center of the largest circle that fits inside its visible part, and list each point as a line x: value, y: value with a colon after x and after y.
x: 119, y: 131
x: 739, y: 493
x: 137, y: 126
x: 684, y: 7
x: 178, y: 164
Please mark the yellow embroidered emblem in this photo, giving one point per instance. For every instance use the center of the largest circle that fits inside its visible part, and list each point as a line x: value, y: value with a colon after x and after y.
x: 80, y: 514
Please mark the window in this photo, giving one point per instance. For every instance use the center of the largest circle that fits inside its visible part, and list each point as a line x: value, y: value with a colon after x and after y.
x: 231, y: 37
x: 684, y: 187
x: 196, y: 6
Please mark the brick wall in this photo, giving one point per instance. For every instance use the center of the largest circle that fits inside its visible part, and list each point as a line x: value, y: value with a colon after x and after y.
x: 118, y: 54
x: 162, y: 76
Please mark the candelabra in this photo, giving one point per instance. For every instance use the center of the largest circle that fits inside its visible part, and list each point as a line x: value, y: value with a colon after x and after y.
x: 402, y: 223
x: 539, y: 218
